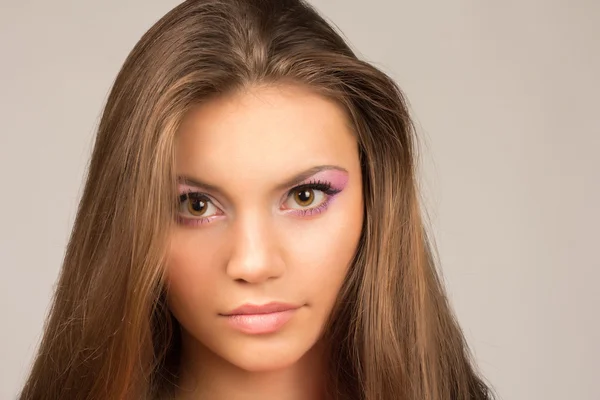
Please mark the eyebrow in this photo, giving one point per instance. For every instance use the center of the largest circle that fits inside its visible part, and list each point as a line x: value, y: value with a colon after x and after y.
x: 293, y: 181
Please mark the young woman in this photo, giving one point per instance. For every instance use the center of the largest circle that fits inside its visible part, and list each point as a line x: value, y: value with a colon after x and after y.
x: 250, y: 227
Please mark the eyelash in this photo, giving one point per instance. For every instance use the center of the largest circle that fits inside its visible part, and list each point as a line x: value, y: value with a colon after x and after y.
x: 318, y: 185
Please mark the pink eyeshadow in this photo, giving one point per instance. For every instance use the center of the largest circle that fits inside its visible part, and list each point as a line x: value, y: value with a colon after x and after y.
x: 338, y: 179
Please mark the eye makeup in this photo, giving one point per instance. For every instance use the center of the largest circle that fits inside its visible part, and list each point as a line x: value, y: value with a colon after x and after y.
x: 329, y: 182
x: 313, y: 185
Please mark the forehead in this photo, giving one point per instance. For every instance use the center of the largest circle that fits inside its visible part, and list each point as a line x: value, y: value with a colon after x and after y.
x: 263, y: 135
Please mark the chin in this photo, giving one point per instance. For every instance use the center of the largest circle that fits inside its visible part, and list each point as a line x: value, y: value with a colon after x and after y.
x: 263, y: 364
x: 264, y: 354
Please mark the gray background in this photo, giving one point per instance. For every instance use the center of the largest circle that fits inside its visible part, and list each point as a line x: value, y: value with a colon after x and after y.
x: 505, y: 96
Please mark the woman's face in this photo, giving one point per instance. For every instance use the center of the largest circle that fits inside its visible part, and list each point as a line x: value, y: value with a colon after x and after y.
x: 249, y: 234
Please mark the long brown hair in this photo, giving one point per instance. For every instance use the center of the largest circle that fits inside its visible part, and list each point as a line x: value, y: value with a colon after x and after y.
x: 110, y: 335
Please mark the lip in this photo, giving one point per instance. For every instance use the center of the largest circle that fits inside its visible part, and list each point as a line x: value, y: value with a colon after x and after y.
x: 260, y: 319
x: 254, y: 309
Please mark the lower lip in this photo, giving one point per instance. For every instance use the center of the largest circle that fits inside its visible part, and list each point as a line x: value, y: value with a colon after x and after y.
x: 256, y: 324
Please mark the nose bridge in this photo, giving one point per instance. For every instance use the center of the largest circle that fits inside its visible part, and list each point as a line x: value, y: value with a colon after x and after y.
x: 254, y: 256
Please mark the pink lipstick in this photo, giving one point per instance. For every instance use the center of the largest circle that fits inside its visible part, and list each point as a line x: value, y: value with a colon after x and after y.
x: 260, y: 319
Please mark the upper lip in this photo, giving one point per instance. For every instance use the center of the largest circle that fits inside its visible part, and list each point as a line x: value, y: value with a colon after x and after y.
x: 272, y: 307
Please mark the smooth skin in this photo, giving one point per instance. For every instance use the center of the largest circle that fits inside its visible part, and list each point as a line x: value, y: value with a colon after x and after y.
x: 254, y: 246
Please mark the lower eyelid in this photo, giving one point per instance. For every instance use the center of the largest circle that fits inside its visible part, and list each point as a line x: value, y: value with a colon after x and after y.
x: 193, y: 221
x: 312, y: 211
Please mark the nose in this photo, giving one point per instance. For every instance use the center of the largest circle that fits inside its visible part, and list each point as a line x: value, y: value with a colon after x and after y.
x: 255, y: 256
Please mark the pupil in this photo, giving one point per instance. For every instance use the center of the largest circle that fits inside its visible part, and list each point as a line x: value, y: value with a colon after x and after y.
x: 197, y: 205
x: 304, y: 196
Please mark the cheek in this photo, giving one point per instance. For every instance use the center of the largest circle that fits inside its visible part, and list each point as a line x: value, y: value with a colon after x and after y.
x: 191, y: 274
x: 322, y: 253
x: 322, y: 264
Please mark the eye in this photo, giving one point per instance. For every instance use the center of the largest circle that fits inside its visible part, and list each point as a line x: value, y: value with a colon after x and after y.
x: 311, y: 198
x: 306, y: 197
x: 196, y: 205
x: 313, y: 195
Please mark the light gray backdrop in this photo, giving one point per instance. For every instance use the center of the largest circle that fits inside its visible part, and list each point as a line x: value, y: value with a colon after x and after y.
x: 505, y: 96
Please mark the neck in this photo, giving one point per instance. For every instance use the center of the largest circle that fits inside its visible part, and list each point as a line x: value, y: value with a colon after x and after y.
x: 204, y: 375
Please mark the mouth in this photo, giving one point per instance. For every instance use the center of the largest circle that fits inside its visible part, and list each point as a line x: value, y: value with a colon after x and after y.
x: 260, y: 319
x: 254, y: 309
